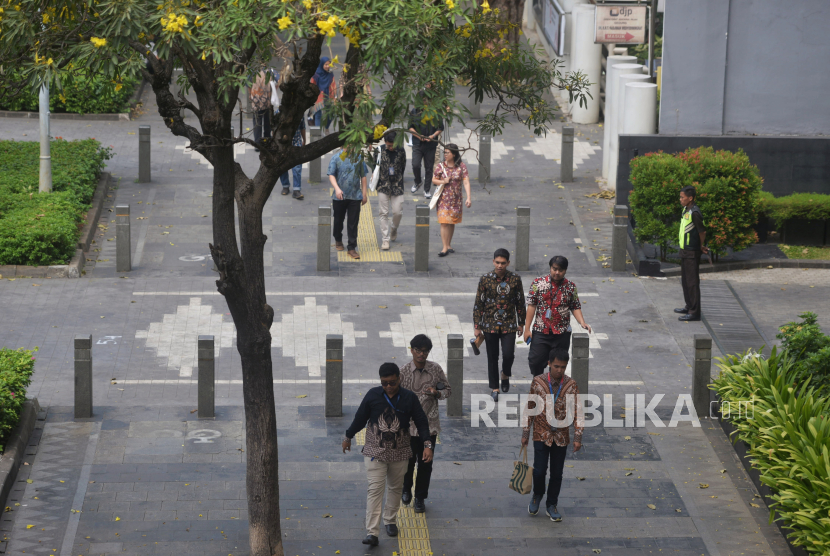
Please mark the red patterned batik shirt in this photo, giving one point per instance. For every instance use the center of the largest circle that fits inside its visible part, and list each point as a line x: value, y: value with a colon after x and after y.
x: 554, y: 303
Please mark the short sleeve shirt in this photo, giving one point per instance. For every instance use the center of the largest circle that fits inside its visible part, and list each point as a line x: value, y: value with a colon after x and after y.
x: 554, y: 304
x: 348, y: 175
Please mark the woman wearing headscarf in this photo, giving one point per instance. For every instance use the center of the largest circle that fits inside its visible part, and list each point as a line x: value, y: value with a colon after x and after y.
x: 324, y: 79
x: 261, y: 104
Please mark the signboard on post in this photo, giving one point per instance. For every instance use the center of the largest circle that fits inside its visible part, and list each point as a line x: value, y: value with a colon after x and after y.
x: 553, y: 25
x: 620, y: 24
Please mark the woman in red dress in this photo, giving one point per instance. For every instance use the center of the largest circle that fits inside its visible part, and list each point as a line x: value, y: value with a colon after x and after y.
x: 452, y: 173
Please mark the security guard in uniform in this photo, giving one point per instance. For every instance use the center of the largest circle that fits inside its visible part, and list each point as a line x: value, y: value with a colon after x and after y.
x: 692, y: 236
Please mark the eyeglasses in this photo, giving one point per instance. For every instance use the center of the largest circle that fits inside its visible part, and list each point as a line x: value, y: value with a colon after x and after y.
x: 424, y: 351
x: 389, y: 383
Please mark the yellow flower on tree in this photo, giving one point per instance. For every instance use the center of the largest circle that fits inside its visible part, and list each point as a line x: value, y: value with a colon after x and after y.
x: 485, y: 7
x: 174, y: 23
x: 450, y: 4
x: 306, y: 3
x: 284, y: 22
x: 98, y: 43
x: 335, y: 60
x: 379, y: 131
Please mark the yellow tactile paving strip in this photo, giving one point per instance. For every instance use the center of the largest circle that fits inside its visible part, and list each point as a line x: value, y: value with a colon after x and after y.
x: 367, y: 240
x: 413, y: 533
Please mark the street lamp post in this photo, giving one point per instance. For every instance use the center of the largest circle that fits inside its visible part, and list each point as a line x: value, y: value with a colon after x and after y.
x: 45, y: 184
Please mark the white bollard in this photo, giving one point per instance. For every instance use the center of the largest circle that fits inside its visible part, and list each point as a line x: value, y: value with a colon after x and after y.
x: 640, y: 109
x: 587, y: 58
x: 611, y: 71
x: 619, y: 109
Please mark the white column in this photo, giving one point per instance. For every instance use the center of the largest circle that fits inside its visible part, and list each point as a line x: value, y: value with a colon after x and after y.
x: 640, y: 109
x: 45, y: 182
x: 587, y: 58
x: 610, y: 83
x: 614, y: 148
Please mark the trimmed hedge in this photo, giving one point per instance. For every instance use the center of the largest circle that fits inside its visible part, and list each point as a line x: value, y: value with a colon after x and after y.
x: 82, y: 95
x: 801, y: 206
x: 788, y: 434
x: 728, y: 188
x: 43, y: 228
x: 16, y: 368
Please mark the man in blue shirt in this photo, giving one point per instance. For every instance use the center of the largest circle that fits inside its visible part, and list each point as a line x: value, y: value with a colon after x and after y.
x: 349, y: 181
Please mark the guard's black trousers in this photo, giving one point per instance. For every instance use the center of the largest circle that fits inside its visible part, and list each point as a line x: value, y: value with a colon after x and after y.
x: 690, y: 279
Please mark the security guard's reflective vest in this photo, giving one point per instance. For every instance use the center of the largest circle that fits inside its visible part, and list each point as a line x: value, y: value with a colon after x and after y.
x: 688, y: 238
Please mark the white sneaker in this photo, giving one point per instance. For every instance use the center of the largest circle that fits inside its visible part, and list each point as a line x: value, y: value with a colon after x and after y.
x: 427, y: 195
x: 384, y: 246
x: 415, y: 187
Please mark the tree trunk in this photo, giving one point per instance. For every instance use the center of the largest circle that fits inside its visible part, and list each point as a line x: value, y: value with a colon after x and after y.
x: 512, y: 10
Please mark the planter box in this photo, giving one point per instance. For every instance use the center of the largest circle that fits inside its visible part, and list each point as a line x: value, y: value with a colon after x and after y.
x: 805, y: 232
x: 16, y: 447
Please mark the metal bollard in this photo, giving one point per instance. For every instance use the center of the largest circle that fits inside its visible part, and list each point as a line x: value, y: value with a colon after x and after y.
x: 619, y: 239
x: 83, y: 377
x: 422, y: 238
x: 315, y: 167
x: 206, y: 379
x: 323, y: 238
x: 334, y: 375
x: 484, y: 158
x: 143, y: 154
x: 455, y: 374
x: 567, y: 156
x: 702, y: 374
x: 123, y: 256
x: 475, y: 109
x: 522, y: 238
x: 579, y: 363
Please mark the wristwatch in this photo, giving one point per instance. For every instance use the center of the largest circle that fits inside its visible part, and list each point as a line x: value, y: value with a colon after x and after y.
x: 428, y: 444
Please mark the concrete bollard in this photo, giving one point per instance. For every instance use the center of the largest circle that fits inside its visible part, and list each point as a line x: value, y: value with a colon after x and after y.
x: 566, y: 160
x: 83, y: 377
x: 475, y: 109
x: 579, y: 361
x: 334, y: 375
x: 522, y: 238
x: 702, y: 374
x: 324, y: 238
x: 619, y: 238
x: 123, y: 256
x: 455, y: 374
x: 484, y: 158
x: 206, y: 389
x: 422, y: 238
x: 315, y: 167
x: 143, y: 154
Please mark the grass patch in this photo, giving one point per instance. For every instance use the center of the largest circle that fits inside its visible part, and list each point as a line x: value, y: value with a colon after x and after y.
x: 806, y: 252
x: 43, y: 228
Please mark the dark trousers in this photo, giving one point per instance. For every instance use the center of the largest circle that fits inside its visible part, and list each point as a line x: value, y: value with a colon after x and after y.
x: 424, y: 152
x: 540, y: 346
x: 507, y: 341
x: 542, y: 454
x: 424, y: 469
x: 262, y: 124
x: 690, y: 279
x: 340, y: 209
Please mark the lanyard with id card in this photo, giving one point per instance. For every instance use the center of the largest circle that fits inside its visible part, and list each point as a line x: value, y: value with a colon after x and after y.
x: 550, y: 301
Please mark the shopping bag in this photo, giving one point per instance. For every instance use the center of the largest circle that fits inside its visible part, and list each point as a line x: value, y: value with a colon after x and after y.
x: 438, y: 189
x: 375, y: 174
x: 522, y: 479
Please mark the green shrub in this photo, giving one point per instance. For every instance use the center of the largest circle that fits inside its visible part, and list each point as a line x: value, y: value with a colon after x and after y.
x: 803, y: 206
x: 728, y: 188
x: 43, y: 228
x: 16, y: 368
x: 81, y: 94
x: 811, y: 349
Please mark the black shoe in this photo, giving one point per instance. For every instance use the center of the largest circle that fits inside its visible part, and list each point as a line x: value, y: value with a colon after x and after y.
x: 298, y: 195
x: 371, y: 540
x: 688, y: 317
x: 419, y: 506
x: 474, y: 346
x: 505, y: 385
x: 285, y: 191
x: 495, y: 396
x: 450, y: 250
x: 406, y: 498
x: 443, y: 253
x: 392, y: 530
x: 682, y: 311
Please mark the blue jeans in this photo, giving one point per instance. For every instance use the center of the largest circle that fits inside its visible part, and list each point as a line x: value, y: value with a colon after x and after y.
x: 542, y: 454
x: 297, y: 171
x: 318, y: 117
